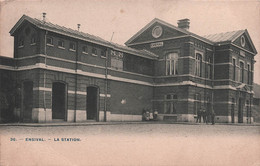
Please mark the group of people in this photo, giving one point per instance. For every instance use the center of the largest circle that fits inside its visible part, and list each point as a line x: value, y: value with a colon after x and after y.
x: 148, y: 114
x: 207, y: 116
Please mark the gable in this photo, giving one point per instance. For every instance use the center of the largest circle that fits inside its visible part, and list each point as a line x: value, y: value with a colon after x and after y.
x: 150, y: 34
x: 244, y: 41
x: 25, y: 28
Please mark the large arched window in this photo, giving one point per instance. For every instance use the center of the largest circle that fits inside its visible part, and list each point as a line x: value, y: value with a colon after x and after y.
x: 198, y: 64
x: 248, y: 74
x: 241, y: 73
x: 172, y: 63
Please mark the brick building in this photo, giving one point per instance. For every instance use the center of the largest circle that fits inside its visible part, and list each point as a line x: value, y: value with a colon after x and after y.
x: 61, y: 74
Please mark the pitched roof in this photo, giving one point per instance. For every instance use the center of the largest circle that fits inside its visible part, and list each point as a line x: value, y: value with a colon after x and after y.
x: 230, y: 37
x: 80, y: 35
x: 169, y: 25
x: 224, y: 37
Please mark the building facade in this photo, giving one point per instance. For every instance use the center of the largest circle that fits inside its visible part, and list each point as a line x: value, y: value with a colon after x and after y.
x: 60, y: 74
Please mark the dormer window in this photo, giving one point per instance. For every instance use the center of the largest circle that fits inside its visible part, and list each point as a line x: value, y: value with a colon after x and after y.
x: 72, y: 47
x: 60, y: 44
x: 21, y: 42
x: 49, y: 41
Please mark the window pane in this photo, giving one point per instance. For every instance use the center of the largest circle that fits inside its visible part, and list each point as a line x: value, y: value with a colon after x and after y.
x: 49, y: 41
x: 173, y: 67
x: 168, y: 68
x: 241, y: 71
x: 84, y: 49
x: 172, y: 64
x: 60, y: 43
x: 72, y: 46
x: 198, y: 65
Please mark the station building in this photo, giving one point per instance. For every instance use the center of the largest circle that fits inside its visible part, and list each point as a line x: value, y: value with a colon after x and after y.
x: 61, y: 74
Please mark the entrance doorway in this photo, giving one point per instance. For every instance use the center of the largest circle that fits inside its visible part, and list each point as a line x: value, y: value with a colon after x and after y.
x: 27, y: 101
x: 240, y: 111
x: 92, y: 103
x: 58, y: 100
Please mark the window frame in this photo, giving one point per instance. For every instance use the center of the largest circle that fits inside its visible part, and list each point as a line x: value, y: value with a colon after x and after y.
x: 241, y: 71
x: 73, y: 49
x: 249, y: 74
x: 234, y: 75
x: 94, y: 51
x: 209, y: 67
x: 85, y: 49
x: 198, y: 63
x: 62, y: 44
x: 169, y: 105
x: 104, y: 54
x: 172, y: 62
x: 51, y: 43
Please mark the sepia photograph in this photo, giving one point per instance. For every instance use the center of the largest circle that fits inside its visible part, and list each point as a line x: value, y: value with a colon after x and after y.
x: 129, y: 82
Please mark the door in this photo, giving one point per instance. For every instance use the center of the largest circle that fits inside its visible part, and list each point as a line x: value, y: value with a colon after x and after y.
x: 27, y: 101
x: 92, y: 103
x: 58, y: 100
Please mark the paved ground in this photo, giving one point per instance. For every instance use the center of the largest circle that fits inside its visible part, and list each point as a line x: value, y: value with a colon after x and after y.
x: 131, y: 144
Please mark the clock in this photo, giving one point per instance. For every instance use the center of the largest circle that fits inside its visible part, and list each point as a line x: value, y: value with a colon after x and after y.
x: 243, y: 41
x: 157, y: 31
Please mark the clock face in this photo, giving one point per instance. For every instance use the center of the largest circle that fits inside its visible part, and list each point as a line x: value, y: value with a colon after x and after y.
x: 243, y: 41
x: 157, y: 31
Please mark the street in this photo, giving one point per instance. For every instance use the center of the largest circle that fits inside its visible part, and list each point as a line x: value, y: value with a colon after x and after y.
x: 131, y: 144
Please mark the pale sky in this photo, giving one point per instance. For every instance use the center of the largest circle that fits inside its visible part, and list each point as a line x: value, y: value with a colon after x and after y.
x: 126, y: 17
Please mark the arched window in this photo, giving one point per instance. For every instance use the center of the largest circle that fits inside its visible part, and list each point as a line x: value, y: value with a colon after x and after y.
x: 241, y: 73
x: 248, y: 74
x: 234, y: 68
x: 209, y: 67
x: 172, y: 64
x: 198, y: 64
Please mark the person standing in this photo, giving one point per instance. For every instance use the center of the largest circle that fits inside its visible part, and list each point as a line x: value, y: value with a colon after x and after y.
x: 198, y: 116
x: 204, y: 115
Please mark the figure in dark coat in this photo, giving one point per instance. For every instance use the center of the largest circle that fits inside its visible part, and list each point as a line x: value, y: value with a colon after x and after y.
x: 204, y: 115
x: 198, y: 116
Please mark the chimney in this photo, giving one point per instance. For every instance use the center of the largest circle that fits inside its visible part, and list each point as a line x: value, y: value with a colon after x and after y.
x: 43, y: 16
x: 78, y: 26
x: 184, y: 24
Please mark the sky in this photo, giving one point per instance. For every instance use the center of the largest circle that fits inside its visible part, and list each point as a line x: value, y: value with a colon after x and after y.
x: 126, y: 17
